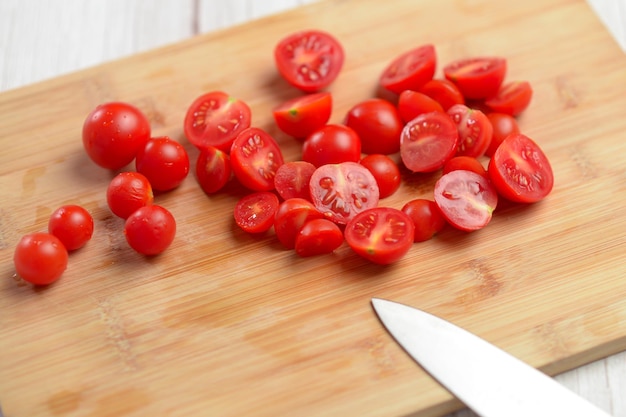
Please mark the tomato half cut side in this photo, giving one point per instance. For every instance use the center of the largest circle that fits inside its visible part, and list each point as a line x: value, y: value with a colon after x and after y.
x: 512, y: 98
x: 255, y: 157
x: 292, y: 179
x: 318, y: 237
x: 410, y: 70
x: 475, y: 130
x: 254, y: 213
x: 477, y: 78
x: 520, y: 170
x: 302, y: 115
x: 213, y: 169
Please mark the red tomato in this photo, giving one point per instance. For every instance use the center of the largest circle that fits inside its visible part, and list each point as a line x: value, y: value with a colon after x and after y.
x: 466, y: 199
x: 341, y: 191
x: 127, y: 192
x: 475, y: 130
x: 426, y: 217
x: 164, y: 162
x: 412, y: 103
x: 332, y: 144
x: 410, y: 70
x: 378, y: 125
x: 291, y: 215
x: 444, y: 92
x: 301, y: 116
x: 255, y: 156
x: 292, y: 180
x: 477, y: 78
x: 309, y: 60
x: 254, y: 213
x: 213, y: 169
x: 382, y: 235
x: 215, y: 119
x: 503, y: 125
x: 150, y: 230
x: 520, y: 170
x: 40, y: 258
x: 72, y: 224
x: 512, y: 98
x: 428, y: 141
x: 318, y: 237
x: 113, y: 133
x: 385, y: 171
x: 466, y: 163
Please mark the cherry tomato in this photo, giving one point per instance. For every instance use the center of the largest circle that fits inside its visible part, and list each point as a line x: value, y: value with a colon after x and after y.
x: 444, y: 92
x: 215, y: 119
x: 127, y: 192
x: 520, y: 170
x: 292, y: 179
x: 503, y: 125
x: 382, y: 235
x: 301, y: 116
x: 378, y: 125
x: 428, y: 141
x: 164, y: 162
x: 332, y: 144
x: 412, y: 103
x: 291, y: 215
x: 475, y: 130
x: 426, y: 217
x: 410, y: 70
x: 466, y: 199
x: 150, y: 230
x: 318, y: 237
x: 113, y: 133
x: 72, y: 224
x: 213, y: 170
x: 512, y: 98
x: 467, y: 163
x: 309, y: 60
x: 385, y: 171
x: 255, y: 157
x: 40, y: 258
x: 341, y: 191
x: 477, y: 78
x: 254, y: 213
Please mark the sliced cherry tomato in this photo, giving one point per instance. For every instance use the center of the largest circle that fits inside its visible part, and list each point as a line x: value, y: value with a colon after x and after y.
x: 382, y: 235
x: 72, y: 224
x: 503, y: 125
x: 292, y: 179
x: 378, y: 125
x: 475, y: 130
x: 444, y: 92
x: 150, y: 230
x: 318, y: 237
x: 254, y: 213
x: 291, y: 215
x: 520, y: 170
x: 467, y: 163
x: 332, y: 144
x: 412, y: 103
x: 127, y: 192
x: 301, y: 116
x: 164, y: 162
x: 512, y: 98
x: 410, y: 70
x: 428, y: 141
x: 466, y: 199
x: 309, y: 60
x: 341, y: 191
x: 40, y: 258
x: 113, y: 133
x: 213, y: 170
x: 255, y: 156
x: 215, y: 119
x: 477, y: 78
x: 385, y: 171
x: 426, y: 217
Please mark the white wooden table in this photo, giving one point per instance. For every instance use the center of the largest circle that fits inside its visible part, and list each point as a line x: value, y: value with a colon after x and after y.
x: 40, y: 39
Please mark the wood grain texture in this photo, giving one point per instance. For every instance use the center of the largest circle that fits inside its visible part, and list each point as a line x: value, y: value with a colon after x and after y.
x: 227, y: 323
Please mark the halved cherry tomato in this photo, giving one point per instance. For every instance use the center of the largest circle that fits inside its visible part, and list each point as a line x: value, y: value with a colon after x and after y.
x: 378, y: 125
x: 309, y: 60
x: 128, y: 192
x: 72, y: 224
x: 341, y: 191
x: 520, y: 170
x: 291, y: 215
x: 300, y: 116
x: 475, y: 130
x: 164, y: 162
x: 382, y: 235
x: 150, y: 230
x: 503, y: 125
x: 40, y: 258
x: 332, y: 144
x: 426, y: 217
x: 444, y: 92
x: 428, y: 141
x: 292, y: 179
x: 412, y: 103
x: 386, y: 172
x: 410, y: 70
x: 255, y: 156
x: 318, y: 237
x: 467, y: 163
x: 254, y: 213
x: 466, y: 199
x: 215, y: 119
x: 213, y: 170
x: 512, y: 98
x: 477, y: 78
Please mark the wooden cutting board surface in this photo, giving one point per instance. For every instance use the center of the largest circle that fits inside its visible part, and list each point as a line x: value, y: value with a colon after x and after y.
x: 229, y: 324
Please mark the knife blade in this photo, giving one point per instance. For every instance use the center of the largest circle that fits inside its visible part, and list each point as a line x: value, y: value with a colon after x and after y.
x: 487, y: 379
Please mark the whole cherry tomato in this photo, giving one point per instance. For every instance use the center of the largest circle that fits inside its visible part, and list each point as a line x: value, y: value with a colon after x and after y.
x: 127, y: 192
x: 378, y: 125
x: 40, y: 258
x: 72, y: 224
x: 164, y: 162
x: 150, y: 230
x: 332, y: 144
x: 426, y: 217
x: 385, y: 171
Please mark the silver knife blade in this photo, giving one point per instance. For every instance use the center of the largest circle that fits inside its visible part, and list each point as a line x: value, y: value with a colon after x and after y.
x: 490, y: 381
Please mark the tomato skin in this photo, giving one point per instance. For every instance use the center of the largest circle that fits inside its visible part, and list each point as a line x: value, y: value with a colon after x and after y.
x: 318, y: 237
x: 413, y: 103
x: 385, y: 171
x: 72, y: 225
x: 378, y: 125
x: 150, y: 230
x: 254, y: 213
x: 503, y: 125
x: 292, y: 180
x: 309, y: 60
x: 477, y: 77
x: 467, y: 163
x: 475, y: 130
x: 410, y: 70
x: 332, y: 144
x: 291, y: 215
x: 40, y: 258
x: 382, y: 235
x: 127, y: 192
x: 255, y: 156
x: 213, y: 169
x: 113, y: 133
x: 301, y: 116
x: 164, y: 162
x: 426, y: 217
x: 512, y: 98
x: 520, y: 170
x: 444, y: 92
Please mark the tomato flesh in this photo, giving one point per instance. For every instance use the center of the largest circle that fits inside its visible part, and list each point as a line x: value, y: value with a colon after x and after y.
x: 254, y: 213
x: 292, y: 180
x: 255, y: 157
x: 475, y: 130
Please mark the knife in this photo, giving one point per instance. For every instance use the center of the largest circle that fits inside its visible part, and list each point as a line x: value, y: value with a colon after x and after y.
x: 488, y: 380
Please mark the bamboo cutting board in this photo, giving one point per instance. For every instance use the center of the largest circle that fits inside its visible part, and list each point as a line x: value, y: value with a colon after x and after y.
x: 228, y: 324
